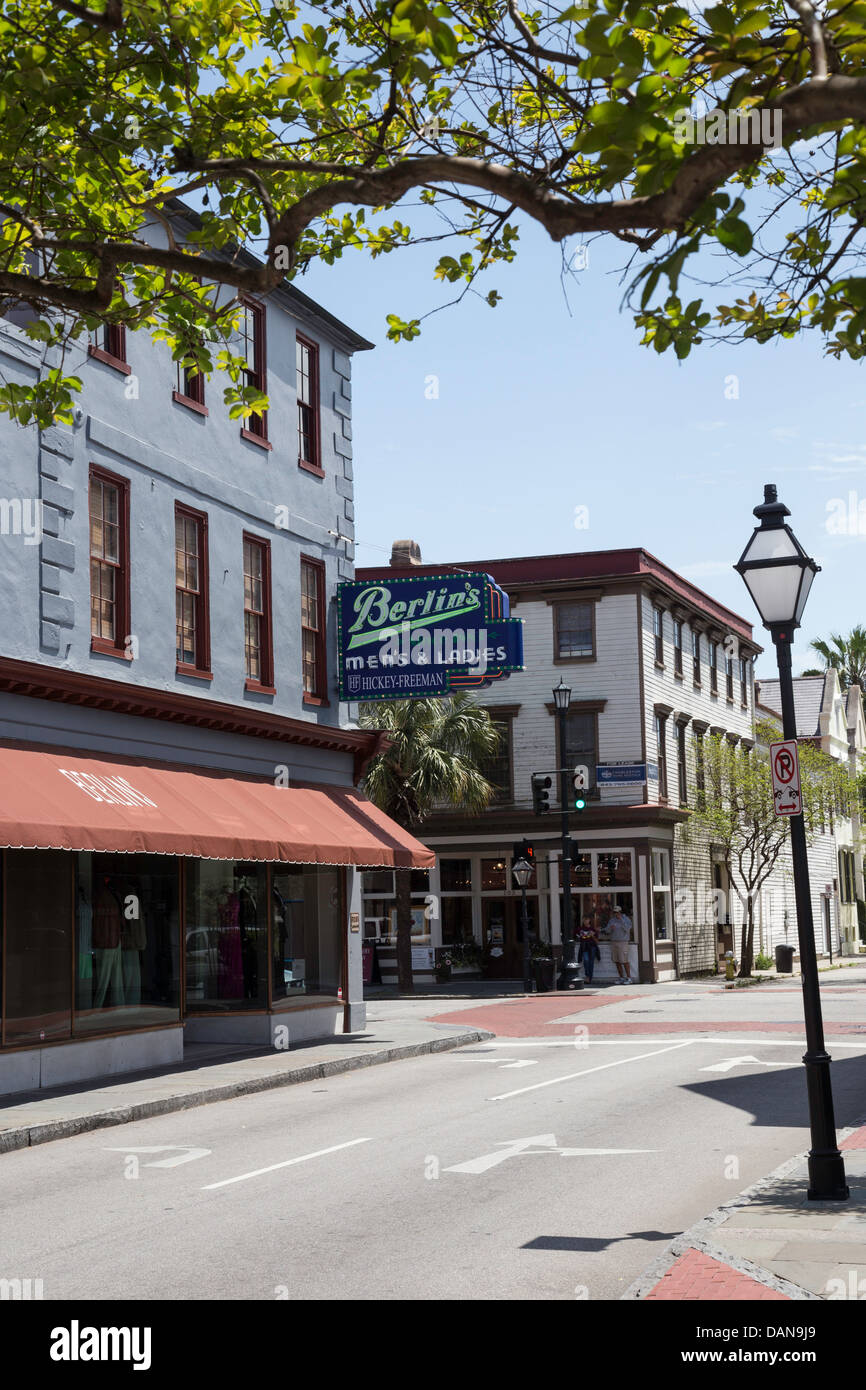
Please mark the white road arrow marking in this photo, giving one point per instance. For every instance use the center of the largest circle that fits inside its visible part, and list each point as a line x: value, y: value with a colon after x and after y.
x: 536, y: 1144
x: 186, y: 1154
x: 742, y: 1062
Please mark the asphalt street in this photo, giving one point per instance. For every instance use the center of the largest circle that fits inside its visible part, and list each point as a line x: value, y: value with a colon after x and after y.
x: 544, y: 1167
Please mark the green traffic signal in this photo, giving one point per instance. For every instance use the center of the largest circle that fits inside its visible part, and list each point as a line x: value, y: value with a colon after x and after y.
x: 579, y: 804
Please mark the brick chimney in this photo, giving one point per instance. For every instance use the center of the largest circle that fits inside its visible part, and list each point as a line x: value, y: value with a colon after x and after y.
x: 405, y: 554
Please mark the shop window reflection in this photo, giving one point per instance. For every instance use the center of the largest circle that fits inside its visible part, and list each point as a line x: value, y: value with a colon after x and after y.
x: 455, y: 875
x: 493, y: 876
x: 226, y: 936
x: 127, y: 960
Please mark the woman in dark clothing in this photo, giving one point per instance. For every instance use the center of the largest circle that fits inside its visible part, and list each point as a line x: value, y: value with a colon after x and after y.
x: 588, y: 952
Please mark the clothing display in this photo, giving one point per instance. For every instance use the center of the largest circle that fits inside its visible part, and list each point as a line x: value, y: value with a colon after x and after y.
x: 230, y: 977
x: 107, y: 927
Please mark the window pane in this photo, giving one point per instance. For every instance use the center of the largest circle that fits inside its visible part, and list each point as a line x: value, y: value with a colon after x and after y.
x: 128, y: 947
x: 574, y: 629
x: 226, y: 936
x: 455, y: 875
x: 39, y: 945
x: 456, y: 920
x: 580, y: 744
x: 497, y: 769
x: 614, y: 870
x: 493, y: 875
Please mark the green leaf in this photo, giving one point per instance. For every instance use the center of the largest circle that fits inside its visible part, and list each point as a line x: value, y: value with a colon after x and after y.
x: 736, y: 235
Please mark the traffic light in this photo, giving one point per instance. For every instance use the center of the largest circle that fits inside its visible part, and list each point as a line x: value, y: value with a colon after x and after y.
x: 581, y: 785
x: 540, y: 794
x: 522, y: 849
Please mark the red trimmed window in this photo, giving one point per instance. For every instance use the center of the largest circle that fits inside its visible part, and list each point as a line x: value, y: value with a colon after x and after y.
x: 109, y: 562
x: 253, y: 349
x: 191, y: 592
x: 313, y: 631
x: 190, y: 389
x: 258, y: 631
x: 307, y: 374
x: 111, y: 347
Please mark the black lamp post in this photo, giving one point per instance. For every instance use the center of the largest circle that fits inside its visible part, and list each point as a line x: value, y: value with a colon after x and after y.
x: 778, y: 574
x: 523, y: 871
x: 569, y: 973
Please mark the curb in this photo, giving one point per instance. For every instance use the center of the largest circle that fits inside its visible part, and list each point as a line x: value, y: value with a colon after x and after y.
x: 696, y: 1238
x: 29, y: 1135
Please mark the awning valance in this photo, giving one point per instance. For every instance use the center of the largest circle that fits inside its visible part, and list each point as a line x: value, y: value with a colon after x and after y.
x: 51, y: 799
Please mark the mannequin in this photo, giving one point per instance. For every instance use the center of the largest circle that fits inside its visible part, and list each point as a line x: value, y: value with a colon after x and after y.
x: 133, y: 939
x: 107, y: 928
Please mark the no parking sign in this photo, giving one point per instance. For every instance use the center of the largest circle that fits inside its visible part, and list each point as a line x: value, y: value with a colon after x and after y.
x: 785, y: 768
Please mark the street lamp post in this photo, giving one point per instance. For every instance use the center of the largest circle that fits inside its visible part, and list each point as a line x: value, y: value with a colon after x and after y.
x: 778, y: 574
x: 569, y: 973
x: 523, y: 871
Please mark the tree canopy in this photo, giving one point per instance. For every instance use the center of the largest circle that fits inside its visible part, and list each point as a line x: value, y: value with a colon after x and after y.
x: 846, y: 653
x: 303, y: 131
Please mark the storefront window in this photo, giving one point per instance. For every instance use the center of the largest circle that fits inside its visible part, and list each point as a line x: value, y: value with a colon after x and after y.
x: 376, y: 917
x: 456, y: 920
x: 614, y: 869
x: 226, y: 936
x: 292, y: 906
x: 597, y: 909
x: 127, y: 960
x: 455, y: 875
x: 581, y: 870
x: 39, y: 943
x: 662, y: 915
x: 378, y: 881
x: 493, y: 876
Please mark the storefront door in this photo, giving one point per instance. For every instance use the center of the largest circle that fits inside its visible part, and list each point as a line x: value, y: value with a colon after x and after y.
x: 503, y: 935
x: 497, y: 919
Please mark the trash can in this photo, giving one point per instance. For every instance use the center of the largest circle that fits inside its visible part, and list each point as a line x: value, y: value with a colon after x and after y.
x: 544, y: 972
x: 785, y: 960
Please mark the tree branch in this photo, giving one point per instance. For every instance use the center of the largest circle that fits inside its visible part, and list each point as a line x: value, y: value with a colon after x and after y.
x: 811, y: 103
x: 535, y: 48
x: 112, y: 18
x: 814, y: 31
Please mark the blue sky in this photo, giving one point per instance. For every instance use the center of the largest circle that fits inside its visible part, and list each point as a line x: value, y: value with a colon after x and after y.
x: 548, y: 403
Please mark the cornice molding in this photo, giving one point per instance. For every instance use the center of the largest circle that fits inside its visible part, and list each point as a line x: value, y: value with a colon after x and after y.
x: 578, y: 707
x: 42, y: 682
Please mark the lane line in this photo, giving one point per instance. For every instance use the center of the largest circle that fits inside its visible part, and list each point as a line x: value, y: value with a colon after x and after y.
x: 554, y: 1081
x: 304, y: 1158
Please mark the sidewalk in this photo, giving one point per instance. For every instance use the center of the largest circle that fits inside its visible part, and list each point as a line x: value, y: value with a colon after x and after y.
x: 213, y: 1072
x: 771, y: 1242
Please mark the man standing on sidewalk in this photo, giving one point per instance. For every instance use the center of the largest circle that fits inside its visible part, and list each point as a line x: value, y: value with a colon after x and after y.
x: 619, y: 934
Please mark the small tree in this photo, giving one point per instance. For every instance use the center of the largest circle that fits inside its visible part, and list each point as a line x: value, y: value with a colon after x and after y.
x: 436, y: 753
x: 737, y: 812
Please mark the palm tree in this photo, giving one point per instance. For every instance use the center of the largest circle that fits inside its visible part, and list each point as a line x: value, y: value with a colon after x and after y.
x: 846, y: 654
x: 436, y: 751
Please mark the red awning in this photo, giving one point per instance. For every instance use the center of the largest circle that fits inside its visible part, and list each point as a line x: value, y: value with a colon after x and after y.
x: 58, y: 800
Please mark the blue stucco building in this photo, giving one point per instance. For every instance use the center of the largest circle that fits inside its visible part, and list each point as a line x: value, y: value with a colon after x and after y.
x: 181, y: 835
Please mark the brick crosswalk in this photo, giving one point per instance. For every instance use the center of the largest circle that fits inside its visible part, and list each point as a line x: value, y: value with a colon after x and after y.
x: 696, y: 1277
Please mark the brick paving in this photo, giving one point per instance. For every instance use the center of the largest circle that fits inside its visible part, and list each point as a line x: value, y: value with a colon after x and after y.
x: 696, y: 1277
x: 534, y: 1017
x: 857, y: 1140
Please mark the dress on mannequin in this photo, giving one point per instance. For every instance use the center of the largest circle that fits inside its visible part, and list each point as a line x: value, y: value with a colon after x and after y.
x: 230, y: 979
x: 107, y: 927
